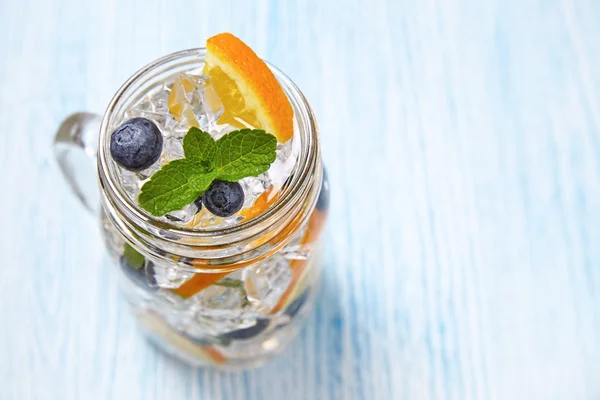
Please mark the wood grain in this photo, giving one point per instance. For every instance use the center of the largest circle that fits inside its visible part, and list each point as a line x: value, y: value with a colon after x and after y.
x: 462, y: 140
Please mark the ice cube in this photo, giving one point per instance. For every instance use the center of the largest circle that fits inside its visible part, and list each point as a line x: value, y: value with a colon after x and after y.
x: 184, y: 215
x: 205, y: 219
x: 148, y: 172
x: 284, y: 150
x: 266, y: 281
x: 216, y: 325
x: 195, y: 102
x: 172, y: 301
x: 155, y: 107
x: 130, y: 183
x: 159, y: 100
x: 205, y: 103
x: 220, y: 130
x: 168, y: 276
x: 283, y: 165
x: 253, y: 187
x: 219, y: 308
x: 296, y: 250
x: 173, y: 148
x: 227, y: 294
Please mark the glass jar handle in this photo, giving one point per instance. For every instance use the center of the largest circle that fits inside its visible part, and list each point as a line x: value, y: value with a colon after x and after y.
x: 75, y: 149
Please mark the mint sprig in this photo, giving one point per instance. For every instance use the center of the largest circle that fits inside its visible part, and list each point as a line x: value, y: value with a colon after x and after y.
x: 236, y: 155
x: 133, y: 258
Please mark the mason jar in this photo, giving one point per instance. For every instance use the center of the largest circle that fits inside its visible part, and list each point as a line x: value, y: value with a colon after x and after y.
x: 228, y: 297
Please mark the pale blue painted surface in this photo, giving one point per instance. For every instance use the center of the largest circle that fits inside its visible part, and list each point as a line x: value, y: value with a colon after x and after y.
x: 463, y: 144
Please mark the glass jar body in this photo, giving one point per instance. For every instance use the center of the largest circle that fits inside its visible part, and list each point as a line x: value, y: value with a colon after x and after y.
x: 231, y: 320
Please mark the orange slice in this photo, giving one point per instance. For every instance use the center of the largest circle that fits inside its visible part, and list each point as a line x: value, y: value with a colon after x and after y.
x: 249, y: 91
x: 261, y: 204
x: 316, y: 223
x: 197, y: 283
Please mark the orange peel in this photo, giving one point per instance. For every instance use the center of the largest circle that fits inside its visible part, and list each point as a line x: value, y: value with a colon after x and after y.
x: 250, y: 93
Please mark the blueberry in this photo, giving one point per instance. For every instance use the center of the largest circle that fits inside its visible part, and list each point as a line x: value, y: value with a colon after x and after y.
x: 142, y: 275
x: 149, y: 272
x: 224, y: 198
x: 250, y: 332
x: 323, y: 200
x: 137, y: 268
x: 198, y: 203
x: 136, y: 144
x: 173, y: 218
x: 297, y: 304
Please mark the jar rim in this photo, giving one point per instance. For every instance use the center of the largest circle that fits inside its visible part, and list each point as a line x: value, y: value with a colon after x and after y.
x: 306, y: 163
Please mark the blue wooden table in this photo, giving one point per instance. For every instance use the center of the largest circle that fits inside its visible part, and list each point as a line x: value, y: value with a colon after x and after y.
x: 462, y: 140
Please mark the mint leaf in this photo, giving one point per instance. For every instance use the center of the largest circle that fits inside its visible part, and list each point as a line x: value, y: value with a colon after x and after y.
x: 199, y: 145
x: 202, y: 180
x: 235, y: 156
x: 244, y: 153
x: 175, y: 185
x: 133, y: 258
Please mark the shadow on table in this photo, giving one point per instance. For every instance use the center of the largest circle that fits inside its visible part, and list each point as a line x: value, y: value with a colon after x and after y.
x: 308, y: 368
x: 311, y: 365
